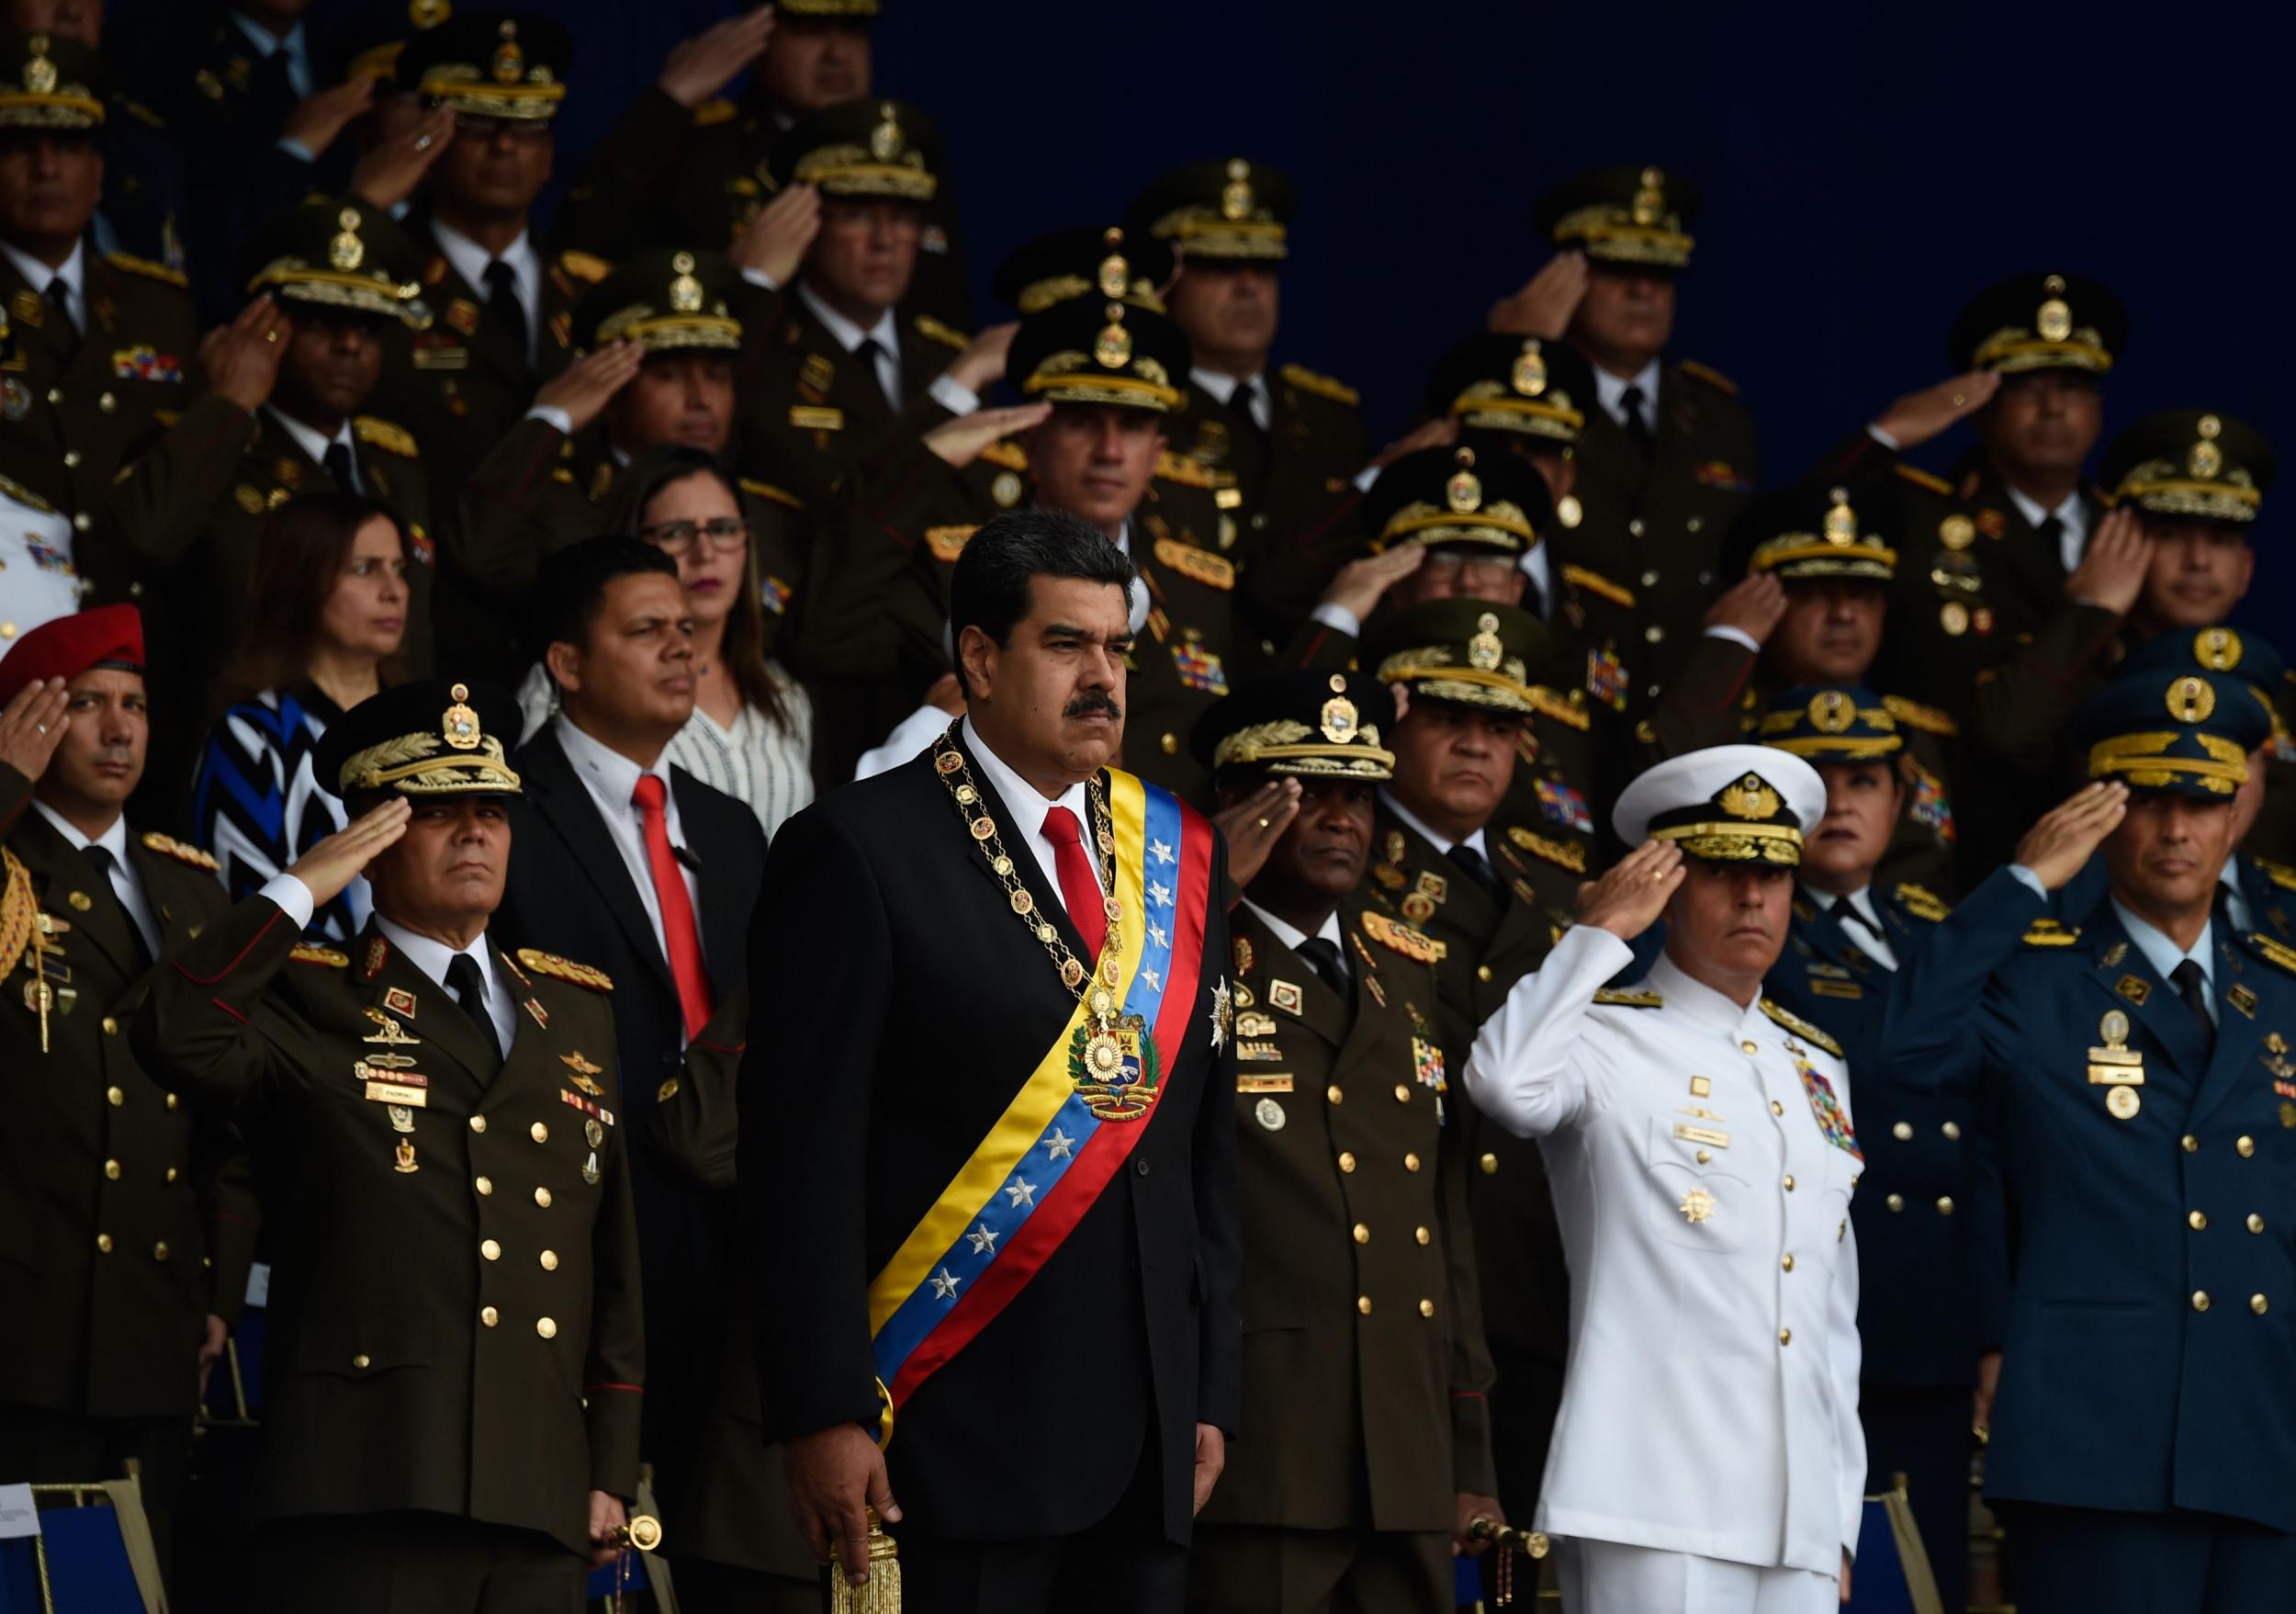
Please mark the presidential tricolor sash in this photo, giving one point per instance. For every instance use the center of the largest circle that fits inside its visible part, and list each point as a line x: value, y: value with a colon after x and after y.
x: 1066, y: 1132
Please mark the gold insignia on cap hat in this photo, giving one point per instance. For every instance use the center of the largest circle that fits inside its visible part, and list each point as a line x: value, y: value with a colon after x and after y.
x: 1832, y: 712
x: 685, y: 292
x: 40, y: 74
x: 1530, y: 369
x: 2054, y: 321
x: 2217, y: 649
x: 346, y: 251
x: 1651, y: 200
x: 2205, y: 460
x: 1464, y: 491
x: 1484, y: 651
x: 509, y: 62
x: 458, y: 725
x: 884, y: 141
x: 1338, y: 720
x: 429, y: 13
x: 1113, y: 347
x: 1236, y: 200
x: 2191, y: 699
x: 1750, y: 798
x: 1841, y: 522
x: 1116, y: 274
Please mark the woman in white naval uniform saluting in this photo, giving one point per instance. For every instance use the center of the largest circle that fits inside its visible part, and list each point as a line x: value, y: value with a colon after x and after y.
x: 1708, y: 1457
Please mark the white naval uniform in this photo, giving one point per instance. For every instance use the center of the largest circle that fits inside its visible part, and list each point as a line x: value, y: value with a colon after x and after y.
x: 1710, y: 1402
x: 38, y: 582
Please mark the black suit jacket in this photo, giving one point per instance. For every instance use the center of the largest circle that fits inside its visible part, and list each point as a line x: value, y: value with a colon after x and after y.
x: 569, y: 893
x: 897, y: 1008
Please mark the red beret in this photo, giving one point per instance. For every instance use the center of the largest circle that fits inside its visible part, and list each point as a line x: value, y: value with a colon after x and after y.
x: 108, y: 636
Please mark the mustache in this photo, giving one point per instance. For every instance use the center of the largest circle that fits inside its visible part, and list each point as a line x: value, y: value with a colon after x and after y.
x: 1091, y: 701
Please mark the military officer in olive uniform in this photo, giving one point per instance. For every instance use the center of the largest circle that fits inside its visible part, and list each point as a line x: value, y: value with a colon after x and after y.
x: 333, y: 289
x: 105, y: 346
x: 1669, y: 454
x: 134, y: 1220
x: 1494, y: 896
x: 1812, y: 609
x: 457, y: 1348
x: 1291, y: 441
x: 1365, y: 1446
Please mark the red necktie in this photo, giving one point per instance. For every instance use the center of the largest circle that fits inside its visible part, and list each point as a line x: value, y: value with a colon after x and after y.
x: 680, y: 939
x: 1079, y: 890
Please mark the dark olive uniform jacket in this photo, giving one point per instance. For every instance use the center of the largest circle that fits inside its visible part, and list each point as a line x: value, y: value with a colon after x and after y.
x: 454, y: 1310
x: 131, y: 1219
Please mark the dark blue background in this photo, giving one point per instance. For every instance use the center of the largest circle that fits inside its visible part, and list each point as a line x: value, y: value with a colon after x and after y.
x: 1865, y: 167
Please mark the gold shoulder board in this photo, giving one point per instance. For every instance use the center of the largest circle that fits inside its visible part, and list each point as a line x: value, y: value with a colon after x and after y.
x: 714, y: 111
x: 1571, y: 714
x: 1563, y: 855
x: 1213, y: 571
x: 388, y: 438
x: 2050, y: 933
x: 1800, y: 1027
x: 947, y: 542
x: 140, y: 113
x: 1594, y: 583
x: 768, y: 491
x: 1921, y: 479
x: 1709, y: 375
x: 1180, y: 467
x: 327, y: 957
x: 1401, y: 938
x: 2280, y: 874
x: 147, y: 268
x: 565, y: 969
x: 948, y: 335
x: 168, y: 846
x: 1914, y: 715
x: 1922, y: 902
x: 585, y: 267
x: 24, y: 495
x: 1323, y: 386
x: 1624, y: 1000
x: 1008, y: 453
x: 2276, y: 952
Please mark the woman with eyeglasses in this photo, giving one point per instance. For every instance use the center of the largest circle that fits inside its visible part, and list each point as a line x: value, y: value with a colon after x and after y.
x: 326, y: 604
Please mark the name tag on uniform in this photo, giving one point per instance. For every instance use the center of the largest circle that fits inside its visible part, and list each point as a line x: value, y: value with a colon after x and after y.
x: 398, y: 1092
x: 808, y: 417
x: 1701, y: 1134
x: 1271, y: 1082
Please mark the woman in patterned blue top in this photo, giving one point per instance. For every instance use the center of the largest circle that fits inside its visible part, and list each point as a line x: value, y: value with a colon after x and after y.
x: 326, y: 613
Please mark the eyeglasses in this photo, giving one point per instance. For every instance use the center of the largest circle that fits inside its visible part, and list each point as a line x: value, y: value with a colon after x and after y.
x: 721, y: 532
x: 1480, y: 568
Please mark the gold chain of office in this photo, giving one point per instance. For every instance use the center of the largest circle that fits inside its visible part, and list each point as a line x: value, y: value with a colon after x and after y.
x: 957, y: 774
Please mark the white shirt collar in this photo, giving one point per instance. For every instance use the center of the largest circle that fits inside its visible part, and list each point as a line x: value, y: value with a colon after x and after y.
x: 470, y: 260
x: 36, y: 275
x: 2235, y: 899
x: 2162, y: 954
x: 1291, y: 935
x: 313, y: 445
x: 1434, y: 837
x: 1610, y: 389
x: 887, y: 332
x: 1021, y: 798
x: 606, y: 772
x: 2072, y: 523
x: 1873, y: 941
x: 1222, y: 386
x: 1542, y: 575
x: 1699, y: 1004
x: 292, y: 41
x: 114, y: 839
x: 431, y: 957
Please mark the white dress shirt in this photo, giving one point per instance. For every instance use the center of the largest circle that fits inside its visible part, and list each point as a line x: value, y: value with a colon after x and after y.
x: 1029, y: 808
x: 2072, y: 524
x: 314, y: 445
x: 470, y: 260
x: 946, y: 390
x: 2163, y: 955
x: 1434, y: 837
x: 2235, y: 899
x: 38, y: 275
x: 611, y: 780
x: 125, y: 884
x: 1223, y: 386
x: 292, y: 43
x: 1714, y: 1282
x: 1610, y: 390
x: 1873, y: 941
x: 1291, y: 935
x: 433, y: 957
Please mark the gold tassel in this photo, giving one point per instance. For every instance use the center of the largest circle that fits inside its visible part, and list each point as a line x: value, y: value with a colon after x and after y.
x: 882, y: 1593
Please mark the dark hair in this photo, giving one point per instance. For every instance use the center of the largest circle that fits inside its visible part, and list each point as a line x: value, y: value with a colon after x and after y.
x: 300, y: 551
x: 743, y: 650
x: 991, y: 586
x: 572, y: 590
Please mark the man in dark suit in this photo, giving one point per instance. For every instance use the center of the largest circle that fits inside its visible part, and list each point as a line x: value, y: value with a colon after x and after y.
x: 989, y: 1196
x: 631, y: 864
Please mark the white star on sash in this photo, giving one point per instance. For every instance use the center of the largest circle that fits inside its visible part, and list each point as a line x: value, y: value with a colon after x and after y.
x: 1155, y: 981
x: 945, y: 1286
x: 1156, y: 934
x: 1160, y: 851
x: 1158, y: 897
x: 1022, y: 1190
x: 1059, y: 1147
x: 983, y: 1240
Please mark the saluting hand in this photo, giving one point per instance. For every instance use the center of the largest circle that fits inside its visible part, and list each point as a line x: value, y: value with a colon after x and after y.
x: 1628, y: 899
x: 1917, y: 417
x: 1359, y: 586
x: 960, y: 440
x: 323, y: 116
x: 585, y: 387
x: 328, y: 867
x: 1255, y: 824
x: 1753, y: 605
x: 388, y: 174
x: 835, y: 1475
x: 2112, y: 572
x: 2063, y: 839
x: 982, y: 360
x: 32, y: 724
x: 242, y: 359
x: 698, y: 68
x: 774, y: 242
x: 1547, y: 300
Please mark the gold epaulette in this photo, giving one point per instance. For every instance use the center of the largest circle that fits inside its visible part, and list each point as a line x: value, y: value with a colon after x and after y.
x: 1594, y: 583
x: 139, y: 112
x: 1709, y: 375
x: 1007, y: 453
x: 312, y: 952
x: 2051, y: 934
x: 1563, y: 855
x: 766, y: 490
x: 1921, y: 902
x: 565, y: 969
x: 1551, y: 704
x: 1401, y: 938
x: 947, y: 542
x: 1619, y: 998
x: 385, y: 435
x: 1213, y: 571
x: 147, y: 268
x: 1921, y: 479
x: 718, y: 109
x: 2274, y: 952
x: 1322, y: 385
x: 1914, y: 715
x: 1800, y: 1027
x: 585, y: 267
x: 19, y: 912
x: 1180, y: 469
x: 24, y: 495
x: 168, y: 846
x: 949, y: 335
x: 2280, y: 874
